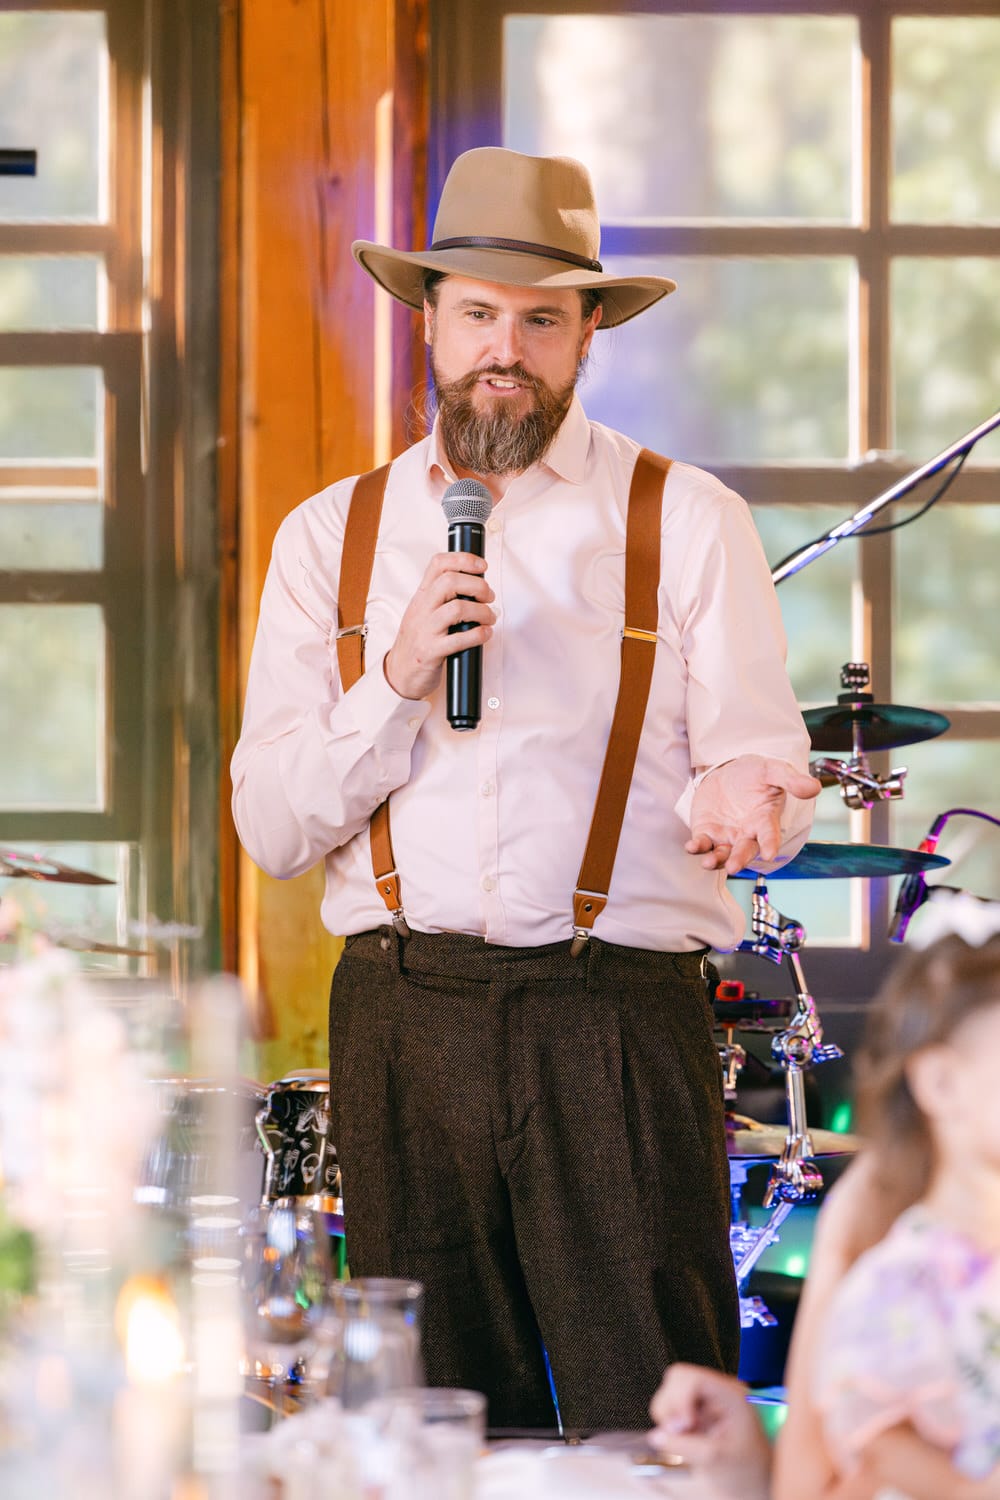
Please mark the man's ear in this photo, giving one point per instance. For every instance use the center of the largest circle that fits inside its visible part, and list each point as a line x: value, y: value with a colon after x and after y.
x: 589, y: 328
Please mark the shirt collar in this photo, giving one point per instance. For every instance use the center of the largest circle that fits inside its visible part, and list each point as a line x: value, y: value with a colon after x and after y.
x: 567, y: 454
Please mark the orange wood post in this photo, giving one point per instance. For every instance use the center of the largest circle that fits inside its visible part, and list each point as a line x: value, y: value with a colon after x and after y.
x: 324, y: 141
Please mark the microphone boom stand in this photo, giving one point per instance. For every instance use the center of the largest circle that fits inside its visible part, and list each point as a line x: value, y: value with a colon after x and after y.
x: 812, y: 550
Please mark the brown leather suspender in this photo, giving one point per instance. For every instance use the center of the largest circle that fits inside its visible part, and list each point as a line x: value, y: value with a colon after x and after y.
x: 642, y: 578
x: 642, y: 575
x: 356, y: 562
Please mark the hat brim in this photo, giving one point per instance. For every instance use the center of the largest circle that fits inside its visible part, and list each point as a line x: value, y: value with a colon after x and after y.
x: 401, y: 273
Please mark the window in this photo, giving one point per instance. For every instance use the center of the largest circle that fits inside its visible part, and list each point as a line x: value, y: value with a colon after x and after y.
x: 821, y: 179
x: 93, y: 467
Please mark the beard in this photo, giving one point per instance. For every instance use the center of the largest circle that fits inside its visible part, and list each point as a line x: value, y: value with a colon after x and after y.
x: 498, y: 441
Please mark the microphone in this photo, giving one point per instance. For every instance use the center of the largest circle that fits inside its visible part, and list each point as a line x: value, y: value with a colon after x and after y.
x: 914, y: 891
x: 467, y: 505
x: 912, y: 894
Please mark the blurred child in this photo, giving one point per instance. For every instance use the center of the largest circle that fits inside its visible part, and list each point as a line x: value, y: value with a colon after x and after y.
x: 906, y: 1363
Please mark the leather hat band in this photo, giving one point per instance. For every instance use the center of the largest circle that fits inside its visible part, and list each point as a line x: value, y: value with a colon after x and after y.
x: 525, y: 247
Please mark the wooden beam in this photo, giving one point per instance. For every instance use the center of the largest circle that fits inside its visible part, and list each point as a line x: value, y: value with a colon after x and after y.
x: 313, y: 84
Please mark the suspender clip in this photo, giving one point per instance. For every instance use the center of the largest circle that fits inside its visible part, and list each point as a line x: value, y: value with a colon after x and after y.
x: 400, y: 923
x: 581, y: 937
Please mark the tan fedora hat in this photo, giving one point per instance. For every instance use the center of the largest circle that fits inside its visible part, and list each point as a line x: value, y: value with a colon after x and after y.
x: 519, y: 221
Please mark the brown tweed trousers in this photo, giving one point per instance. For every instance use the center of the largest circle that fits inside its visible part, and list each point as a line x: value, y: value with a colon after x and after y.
x: 539, y: 1139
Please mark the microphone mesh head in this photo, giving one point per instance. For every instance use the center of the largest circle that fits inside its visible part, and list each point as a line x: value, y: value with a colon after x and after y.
x: 467, y: 500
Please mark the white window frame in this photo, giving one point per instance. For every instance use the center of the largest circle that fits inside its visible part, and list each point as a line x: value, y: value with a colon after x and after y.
x: 467, y: 111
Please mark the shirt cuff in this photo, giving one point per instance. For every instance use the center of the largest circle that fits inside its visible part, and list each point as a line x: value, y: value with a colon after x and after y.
x: 682, y: 807
x: 380, y: 715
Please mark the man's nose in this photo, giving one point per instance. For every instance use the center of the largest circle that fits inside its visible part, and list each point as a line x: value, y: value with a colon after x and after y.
x: 506, y: 342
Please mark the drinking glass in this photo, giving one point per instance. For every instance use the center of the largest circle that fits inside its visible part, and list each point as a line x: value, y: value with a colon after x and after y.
x: 286, y: 1279
x: 371, y: 1334
x: 427, y: 1442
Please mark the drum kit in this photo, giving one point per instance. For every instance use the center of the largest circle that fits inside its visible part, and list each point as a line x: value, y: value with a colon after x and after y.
x: 855, y: 724
x: 256, y: 1146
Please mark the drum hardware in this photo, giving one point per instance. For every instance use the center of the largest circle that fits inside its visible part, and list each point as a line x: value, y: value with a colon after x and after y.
x: 733, y: 1058
x: 826, y: 861
x: 735, y: 1010
x: 181, y: 1168
x: 860, y: 786
x: 795, y: 1176
x: 856, y: 719
x: 800, y: 1045
x: 80, y: 943
x: 293, y: 1130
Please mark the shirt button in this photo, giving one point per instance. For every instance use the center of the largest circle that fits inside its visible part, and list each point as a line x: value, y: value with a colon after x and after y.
x: 488, y: 789
x: 489, y: 884
x: 413, y: 723
x: 493, y: 703
x: 494, y: 525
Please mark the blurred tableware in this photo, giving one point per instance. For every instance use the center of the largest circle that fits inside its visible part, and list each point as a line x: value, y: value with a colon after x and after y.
x: 286, y: 1278
x: 370, y: 1339
x: 426, y: 1443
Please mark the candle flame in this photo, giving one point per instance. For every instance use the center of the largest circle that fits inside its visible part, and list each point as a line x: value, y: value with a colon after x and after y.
x: 149, y: 1327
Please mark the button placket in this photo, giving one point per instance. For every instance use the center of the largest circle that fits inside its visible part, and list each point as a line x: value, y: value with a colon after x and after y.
x: 494, y: 920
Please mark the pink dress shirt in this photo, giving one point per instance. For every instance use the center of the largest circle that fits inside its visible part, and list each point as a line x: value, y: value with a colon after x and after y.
x: 489, y: 827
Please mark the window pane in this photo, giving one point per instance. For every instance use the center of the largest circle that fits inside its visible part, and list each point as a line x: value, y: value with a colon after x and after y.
x: 946, y: 119
x: 50, y: 413
x: 53, y: 99
x: 689, y: 116
x: 816, y: 602
x: 747, y: 361
x: 946, y: 607
x: 49, y: 291
x: 946, y: 353
x: 52, y: 686
x: 946, y: 773
x: 64, y: 535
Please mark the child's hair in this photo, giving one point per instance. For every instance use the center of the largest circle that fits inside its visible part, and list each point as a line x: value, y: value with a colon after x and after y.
x: 927, y: 996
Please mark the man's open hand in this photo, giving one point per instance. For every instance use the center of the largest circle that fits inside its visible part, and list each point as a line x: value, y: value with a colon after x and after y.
x: 736, y: 811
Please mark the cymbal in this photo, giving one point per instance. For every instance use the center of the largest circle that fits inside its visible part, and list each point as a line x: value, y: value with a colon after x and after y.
x: 767, y: 1142
x: 16, y: 865
x: 882, y: 726
x: 863, y: 861
x: 91, y: 945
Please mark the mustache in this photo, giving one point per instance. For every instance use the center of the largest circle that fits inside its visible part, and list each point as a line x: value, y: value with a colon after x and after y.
x: 466, y: 383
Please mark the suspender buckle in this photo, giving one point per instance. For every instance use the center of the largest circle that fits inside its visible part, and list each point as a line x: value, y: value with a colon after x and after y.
x: 633, y: 633
x: 361, y: 630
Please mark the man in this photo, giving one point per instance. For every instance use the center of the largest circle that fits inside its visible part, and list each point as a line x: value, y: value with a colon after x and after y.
x: 528, y: 1109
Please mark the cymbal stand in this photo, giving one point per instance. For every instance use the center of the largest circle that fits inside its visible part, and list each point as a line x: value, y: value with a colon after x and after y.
x: 860, y: 786
x: 795, y: 1177
x: 799, y: 1046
